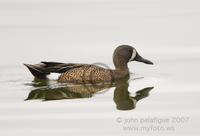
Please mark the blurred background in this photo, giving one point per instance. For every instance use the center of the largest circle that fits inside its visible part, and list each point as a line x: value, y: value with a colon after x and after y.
x: 84, y: 31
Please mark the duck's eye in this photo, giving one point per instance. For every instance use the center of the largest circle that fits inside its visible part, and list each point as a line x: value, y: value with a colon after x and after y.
x: 130, y: 50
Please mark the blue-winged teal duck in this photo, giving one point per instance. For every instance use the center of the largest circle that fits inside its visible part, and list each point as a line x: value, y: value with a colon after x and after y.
x: 87, y: 73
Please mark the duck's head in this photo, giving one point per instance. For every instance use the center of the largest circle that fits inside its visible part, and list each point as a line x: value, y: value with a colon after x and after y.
x: 124, y: 54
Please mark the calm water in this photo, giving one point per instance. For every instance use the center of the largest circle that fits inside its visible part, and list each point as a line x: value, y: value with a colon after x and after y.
x: 162, y: 99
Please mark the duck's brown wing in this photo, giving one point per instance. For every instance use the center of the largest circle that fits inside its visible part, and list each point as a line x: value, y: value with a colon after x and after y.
x: 45, y: 68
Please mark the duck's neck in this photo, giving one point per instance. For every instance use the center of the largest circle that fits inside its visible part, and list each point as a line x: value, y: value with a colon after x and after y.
x: 119, y: 74
x: 121, y: 71
x: 121, y: 68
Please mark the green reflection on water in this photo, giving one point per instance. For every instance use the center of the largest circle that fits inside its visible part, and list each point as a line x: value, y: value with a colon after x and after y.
x: 52, y: 90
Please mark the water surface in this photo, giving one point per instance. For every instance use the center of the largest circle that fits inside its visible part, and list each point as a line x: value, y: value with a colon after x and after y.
x: 165, y: 32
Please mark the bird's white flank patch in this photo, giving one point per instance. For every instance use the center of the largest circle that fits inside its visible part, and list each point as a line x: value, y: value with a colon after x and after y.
x: 53, y: 76
x: 133, y: 55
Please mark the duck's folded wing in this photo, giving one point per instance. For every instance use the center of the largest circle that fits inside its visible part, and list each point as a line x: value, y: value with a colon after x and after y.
x: 45, y: 68
x: 57, y: 67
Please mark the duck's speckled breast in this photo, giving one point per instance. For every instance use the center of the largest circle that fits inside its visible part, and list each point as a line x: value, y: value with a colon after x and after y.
x: 89, y: 74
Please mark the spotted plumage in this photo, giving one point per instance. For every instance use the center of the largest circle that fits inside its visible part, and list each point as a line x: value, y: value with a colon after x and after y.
x: 87, y: 74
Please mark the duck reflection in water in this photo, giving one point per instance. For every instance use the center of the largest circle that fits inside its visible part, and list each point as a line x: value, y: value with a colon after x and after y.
x: 51, y: 90
x: 123, y: 99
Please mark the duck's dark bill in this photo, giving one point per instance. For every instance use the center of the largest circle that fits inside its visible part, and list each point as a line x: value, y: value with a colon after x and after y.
x: 140, y: 59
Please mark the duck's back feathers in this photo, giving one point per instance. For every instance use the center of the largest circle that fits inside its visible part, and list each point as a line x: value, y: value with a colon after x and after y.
x: 57, y: 67
x: 45, y: 68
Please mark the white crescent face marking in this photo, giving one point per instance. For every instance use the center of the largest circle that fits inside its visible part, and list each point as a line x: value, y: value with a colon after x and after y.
x: 133, y: 55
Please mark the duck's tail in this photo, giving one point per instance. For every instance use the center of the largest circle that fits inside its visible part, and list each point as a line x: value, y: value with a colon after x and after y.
x: 38, y: 70
x: 45, y: 68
